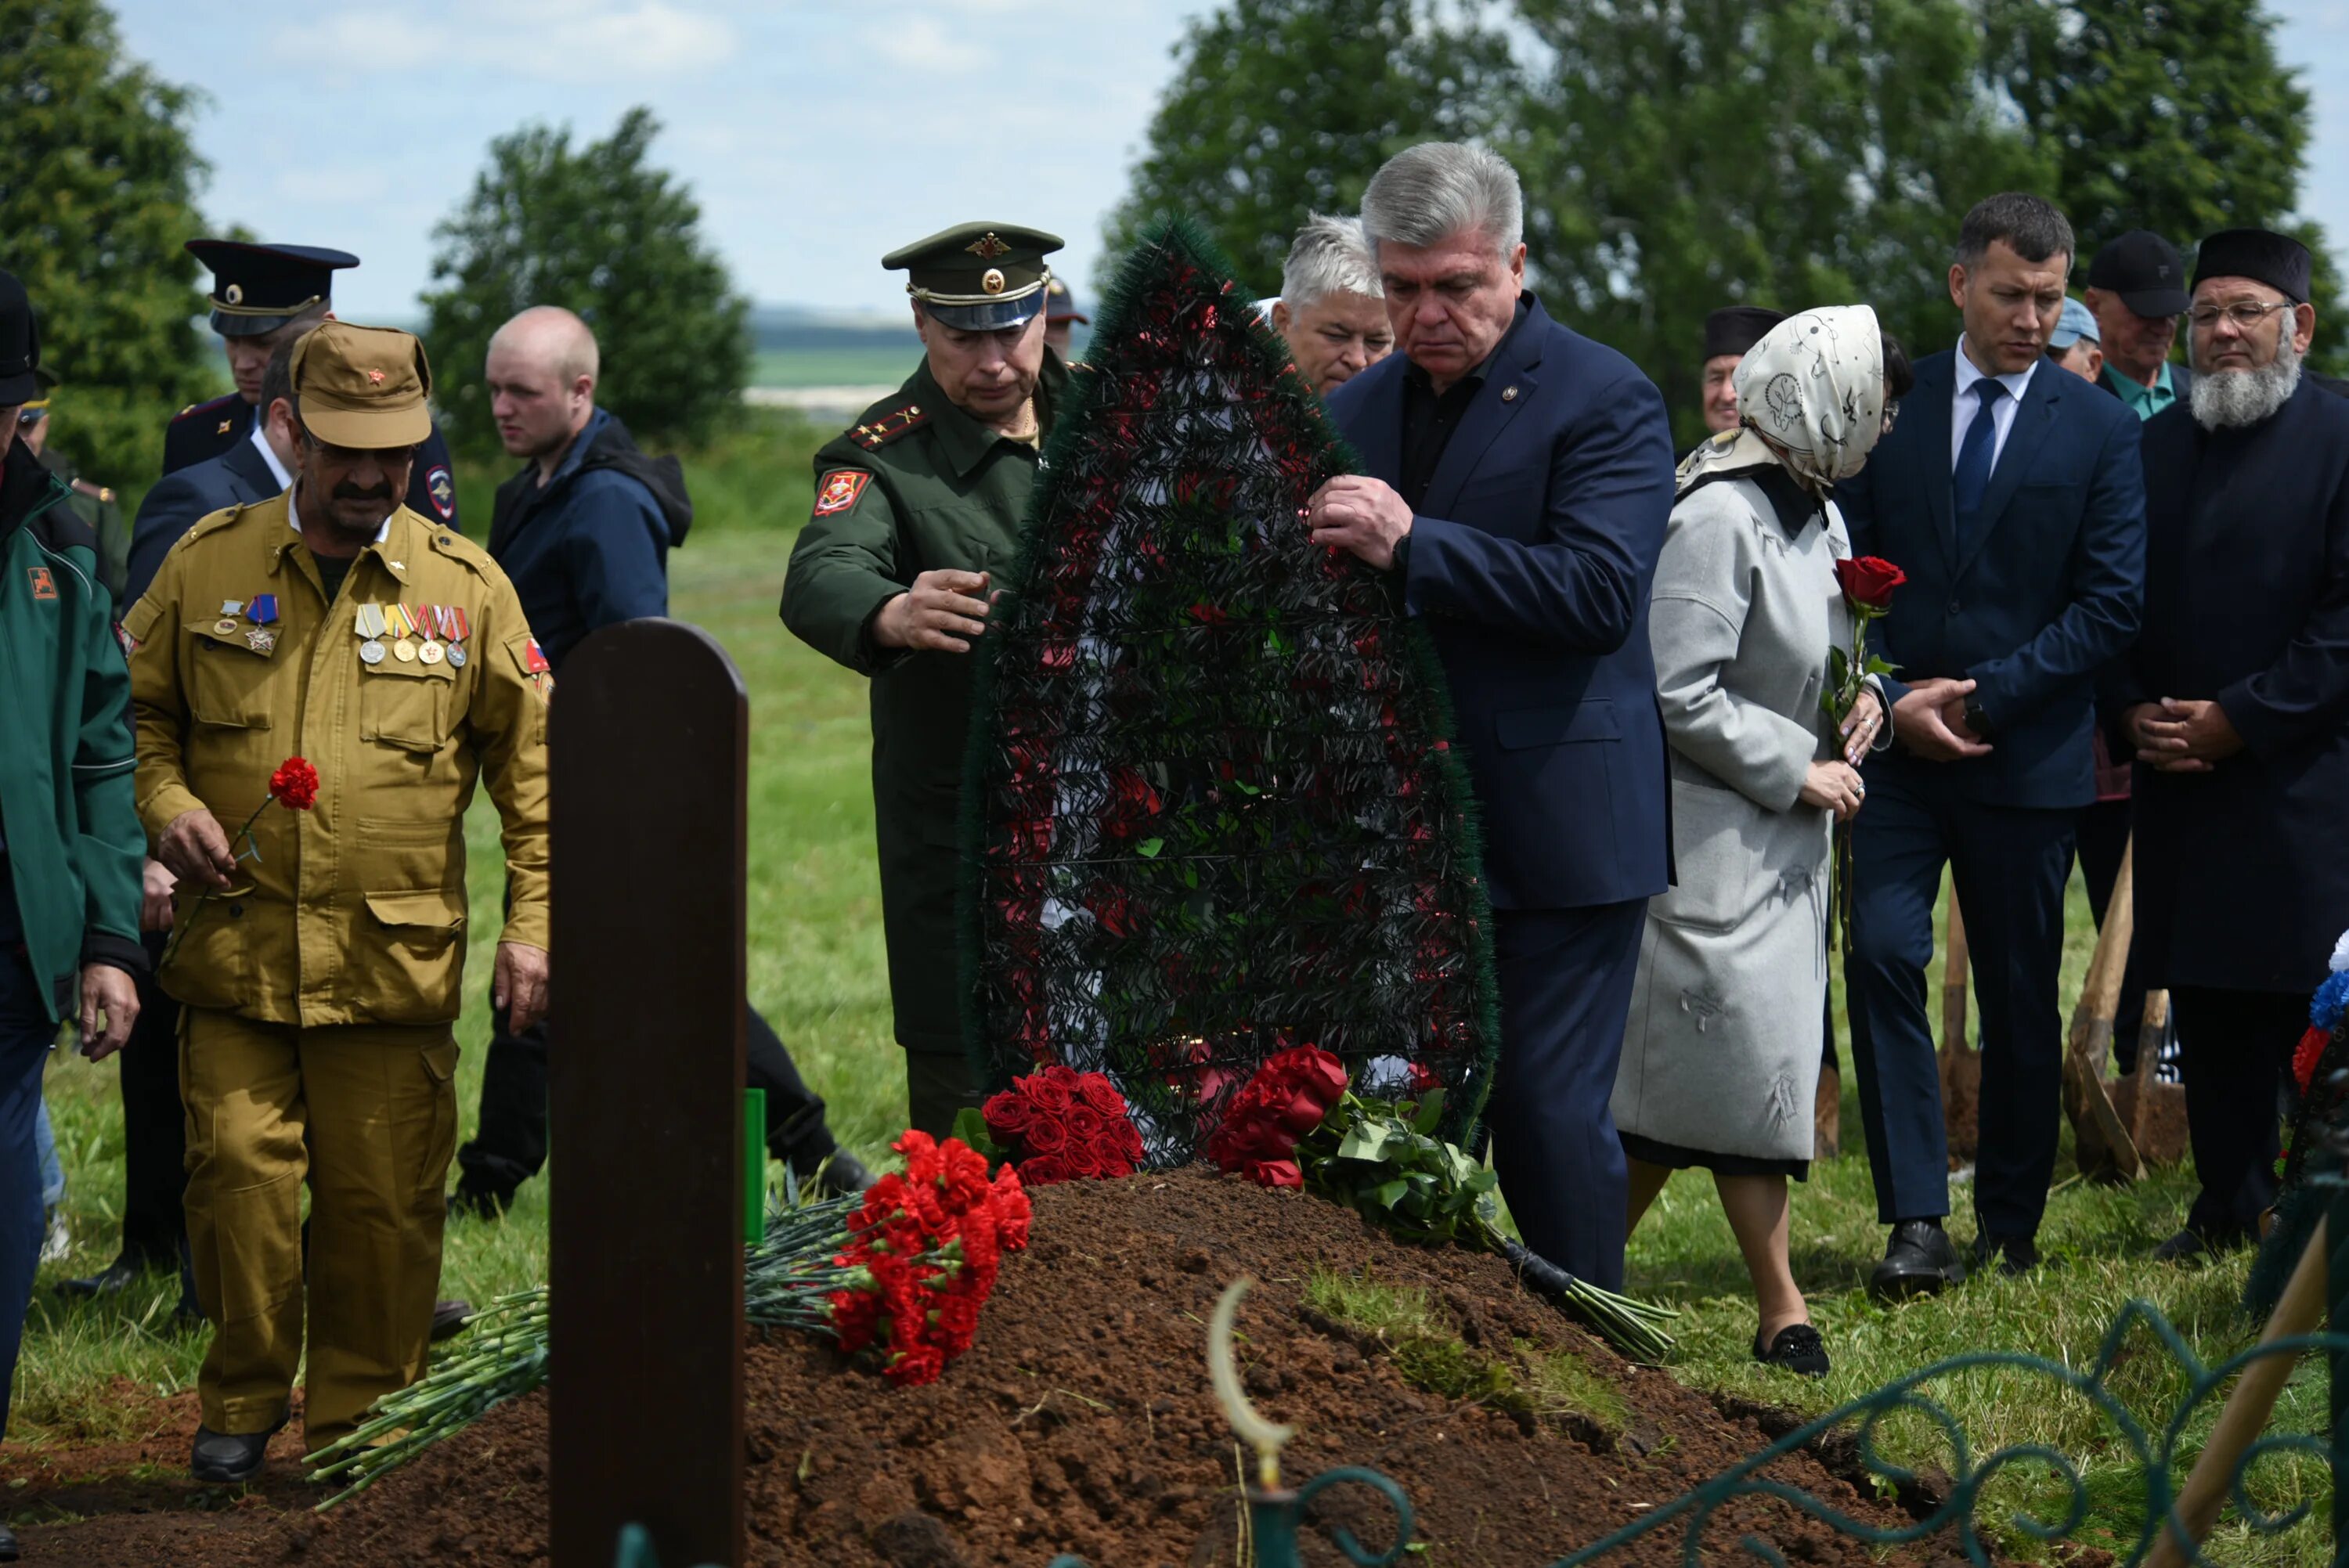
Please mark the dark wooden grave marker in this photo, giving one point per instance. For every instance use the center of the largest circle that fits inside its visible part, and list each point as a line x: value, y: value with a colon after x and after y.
x: 650, y: 744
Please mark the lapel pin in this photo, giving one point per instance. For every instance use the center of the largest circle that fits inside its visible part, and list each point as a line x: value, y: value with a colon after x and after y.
x: 1509, y: 394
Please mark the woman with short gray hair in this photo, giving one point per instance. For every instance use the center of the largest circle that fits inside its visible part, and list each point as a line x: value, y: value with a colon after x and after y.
x: 1330, y: 311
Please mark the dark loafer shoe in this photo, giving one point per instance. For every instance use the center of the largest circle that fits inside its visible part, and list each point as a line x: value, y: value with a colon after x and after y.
x: 2011, y: 1255
x: 2192, y: 1246
x: 450, y: 1319
x: 838, y: 1173
x: 112, y: 1280
x: 1797, y: 1348
x: 229, y: 1457
x: 7, y: 1545
x: 475, y: 1203
x: 1918, y: 1260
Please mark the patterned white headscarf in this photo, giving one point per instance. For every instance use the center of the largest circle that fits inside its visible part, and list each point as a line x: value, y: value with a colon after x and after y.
x: 1814, y: 386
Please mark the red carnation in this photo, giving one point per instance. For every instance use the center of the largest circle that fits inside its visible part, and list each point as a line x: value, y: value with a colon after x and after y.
x: 294, y: 785
x: 1870, y: 579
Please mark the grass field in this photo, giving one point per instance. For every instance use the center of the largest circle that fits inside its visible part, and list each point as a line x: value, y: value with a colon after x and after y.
x: 816, y: 970
x: 880, y: 365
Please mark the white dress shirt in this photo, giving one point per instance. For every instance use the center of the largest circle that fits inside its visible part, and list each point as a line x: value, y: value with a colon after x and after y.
x: 1967, y: 405
x: 269, y: 455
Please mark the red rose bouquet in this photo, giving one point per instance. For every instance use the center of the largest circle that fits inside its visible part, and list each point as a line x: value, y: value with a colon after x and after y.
x: 1057, y: 1125
x: 294, y: 785
x: 1295, y: 1125
x: 1868, y: 582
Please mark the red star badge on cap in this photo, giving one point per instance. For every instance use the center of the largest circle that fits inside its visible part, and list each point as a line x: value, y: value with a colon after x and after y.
x: 374, y: 377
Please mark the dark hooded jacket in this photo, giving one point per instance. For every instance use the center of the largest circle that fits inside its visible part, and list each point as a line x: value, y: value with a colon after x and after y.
x: 591, y: 546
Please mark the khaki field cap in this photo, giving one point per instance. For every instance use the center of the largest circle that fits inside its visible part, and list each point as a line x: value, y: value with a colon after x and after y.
x: 362, y: 387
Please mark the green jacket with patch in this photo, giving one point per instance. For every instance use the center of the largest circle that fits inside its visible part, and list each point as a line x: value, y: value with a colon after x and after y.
x: 71, y: 832
x: 917, y: 485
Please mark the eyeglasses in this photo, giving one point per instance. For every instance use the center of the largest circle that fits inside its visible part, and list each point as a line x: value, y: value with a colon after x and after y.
x: 2245, y: 314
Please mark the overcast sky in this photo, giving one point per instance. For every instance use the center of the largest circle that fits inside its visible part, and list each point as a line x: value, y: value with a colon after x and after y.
x: 817, y: 136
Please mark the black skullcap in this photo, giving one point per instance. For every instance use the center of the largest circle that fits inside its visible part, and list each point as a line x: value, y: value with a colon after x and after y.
x: 1733, y: 329
x: 2262, y: 255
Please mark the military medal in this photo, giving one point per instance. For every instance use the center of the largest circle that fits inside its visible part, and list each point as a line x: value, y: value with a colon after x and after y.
x: 261, y: 639
x: 263, y: 611
x: 396, y: 619
x: 231, y: 607
x: 225, y: 627
x: 370, y: 629
x: 429, y: 650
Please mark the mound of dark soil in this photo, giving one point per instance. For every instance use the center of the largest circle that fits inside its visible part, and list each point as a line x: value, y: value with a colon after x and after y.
x: 1083, y: 1422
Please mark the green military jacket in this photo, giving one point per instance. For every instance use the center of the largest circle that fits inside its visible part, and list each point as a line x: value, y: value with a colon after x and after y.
x: 917, y: 485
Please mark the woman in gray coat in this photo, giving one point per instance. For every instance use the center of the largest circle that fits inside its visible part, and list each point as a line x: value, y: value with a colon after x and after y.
x: 1720, y: 1055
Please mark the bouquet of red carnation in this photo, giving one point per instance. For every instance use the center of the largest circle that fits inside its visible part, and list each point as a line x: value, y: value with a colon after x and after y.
x: 294, y: 785
x: 1295, y: 1125
x: 924, y: 1248
x: 1056, y: 1125
x: 1288, y: 1098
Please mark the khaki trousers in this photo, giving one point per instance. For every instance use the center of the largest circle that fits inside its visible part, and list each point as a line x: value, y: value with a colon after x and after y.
x: 368, y: 1115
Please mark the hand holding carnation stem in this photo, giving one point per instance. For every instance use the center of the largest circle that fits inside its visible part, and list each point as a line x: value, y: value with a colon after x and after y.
x: 193, y: 849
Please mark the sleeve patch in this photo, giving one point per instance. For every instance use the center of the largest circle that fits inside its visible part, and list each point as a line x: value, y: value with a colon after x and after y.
x: 838, y: 491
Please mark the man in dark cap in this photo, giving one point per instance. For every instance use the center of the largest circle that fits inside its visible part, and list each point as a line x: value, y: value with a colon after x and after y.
x: 1729, y: 331
x: 2238, y: 704
x: 262, y: 296
x: 916, y: 508
x: 69, y: 834
x: 2137, y: 291
x: 1061, y: 318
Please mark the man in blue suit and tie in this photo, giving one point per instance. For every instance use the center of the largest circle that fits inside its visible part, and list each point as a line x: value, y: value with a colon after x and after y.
x: 2013, y: 497
x: 1518, y: 480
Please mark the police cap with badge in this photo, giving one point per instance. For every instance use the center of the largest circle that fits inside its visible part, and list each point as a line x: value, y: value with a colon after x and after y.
x: 259, y: 288
x: 978, y: 277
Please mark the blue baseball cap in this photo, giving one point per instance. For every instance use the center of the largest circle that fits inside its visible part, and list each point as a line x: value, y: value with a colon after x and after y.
x: 2076, y: 323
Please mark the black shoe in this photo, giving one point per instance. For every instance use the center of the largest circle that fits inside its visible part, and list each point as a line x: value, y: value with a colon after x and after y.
x: 477, y: 1203
x: 112, y: 1280
x: 1918, y: 1260
x: 450, y: 1318
x: 2013, y: 1255
x: 229, y: 1457
x: 835, y: 1174
x: 7, y: 1545
x: 2192, y: 1246
x: 1797, y: 1348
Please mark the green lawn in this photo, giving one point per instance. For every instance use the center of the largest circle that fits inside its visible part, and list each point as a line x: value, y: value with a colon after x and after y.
x: 816, y: 970
x: 880, y: 365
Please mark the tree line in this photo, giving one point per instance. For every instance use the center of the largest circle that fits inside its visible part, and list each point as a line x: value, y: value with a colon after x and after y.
x: 1680, y: 155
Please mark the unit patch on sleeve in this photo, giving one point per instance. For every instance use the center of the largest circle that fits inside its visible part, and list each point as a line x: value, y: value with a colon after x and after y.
x: 839, y: 489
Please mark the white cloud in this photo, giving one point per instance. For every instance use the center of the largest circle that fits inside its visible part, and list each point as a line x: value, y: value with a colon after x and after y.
x: 920, y: 44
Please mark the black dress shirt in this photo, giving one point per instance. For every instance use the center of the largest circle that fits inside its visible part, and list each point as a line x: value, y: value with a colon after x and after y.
x: 1430, y: 418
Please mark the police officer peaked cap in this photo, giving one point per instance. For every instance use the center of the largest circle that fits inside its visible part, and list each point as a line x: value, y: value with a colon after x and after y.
x: 1736, y: 329
x: 259, y: 288
x: 20, y: 344
x: 978, y: 277
x: 362, y: 387
x: 1062, y: 305
x: 2262, y: 255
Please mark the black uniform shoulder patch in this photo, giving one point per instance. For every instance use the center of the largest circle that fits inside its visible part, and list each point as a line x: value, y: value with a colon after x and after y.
x: 879, y: 429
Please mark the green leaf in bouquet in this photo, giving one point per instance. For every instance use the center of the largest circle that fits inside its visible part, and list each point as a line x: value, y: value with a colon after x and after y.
x: 970, y: 1126
x: 1367, y: 1139
x: 1430, y: 1112
x: 1877, y: 666
x: 1387, y: 1194
x: 1148, y: 849
x: 1839, y: 669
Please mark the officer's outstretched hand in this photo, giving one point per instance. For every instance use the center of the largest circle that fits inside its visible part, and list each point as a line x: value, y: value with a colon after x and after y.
x: 106, y: 992
x: 196, y: 851
x: 519, y: 984
x: 936, y: 614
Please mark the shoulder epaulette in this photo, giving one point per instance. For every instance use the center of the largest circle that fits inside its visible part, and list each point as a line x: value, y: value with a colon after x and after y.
x: 878, y: 431
x: 99, y: 493
x: 213, y: 521
x: 461, y: 549
x: 200, y: 408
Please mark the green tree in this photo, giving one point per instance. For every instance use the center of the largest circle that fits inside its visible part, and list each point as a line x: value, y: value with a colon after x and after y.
x: 1279, y: 108
x: 2168, y: 115
x: 599, y: 230
x: 97, y: 175
x: 1682, y: 155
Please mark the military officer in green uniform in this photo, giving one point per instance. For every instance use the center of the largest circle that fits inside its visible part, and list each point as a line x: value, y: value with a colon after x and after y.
x: 917, y: 513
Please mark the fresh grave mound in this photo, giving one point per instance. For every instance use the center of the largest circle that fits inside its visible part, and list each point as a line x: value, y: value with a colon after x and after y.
x: 1082, y: 1420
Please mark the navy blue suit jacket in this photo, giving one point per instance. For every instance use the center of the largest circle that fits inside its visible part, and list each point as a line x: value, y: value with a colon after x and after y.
x: 2048, y: 589
x: 236, y: 477
x: 1531, y: 563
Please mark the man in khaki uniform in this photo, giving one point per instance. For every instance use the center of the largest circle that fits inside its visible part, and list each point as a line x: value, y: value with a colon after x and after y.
x: 321, y: 965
